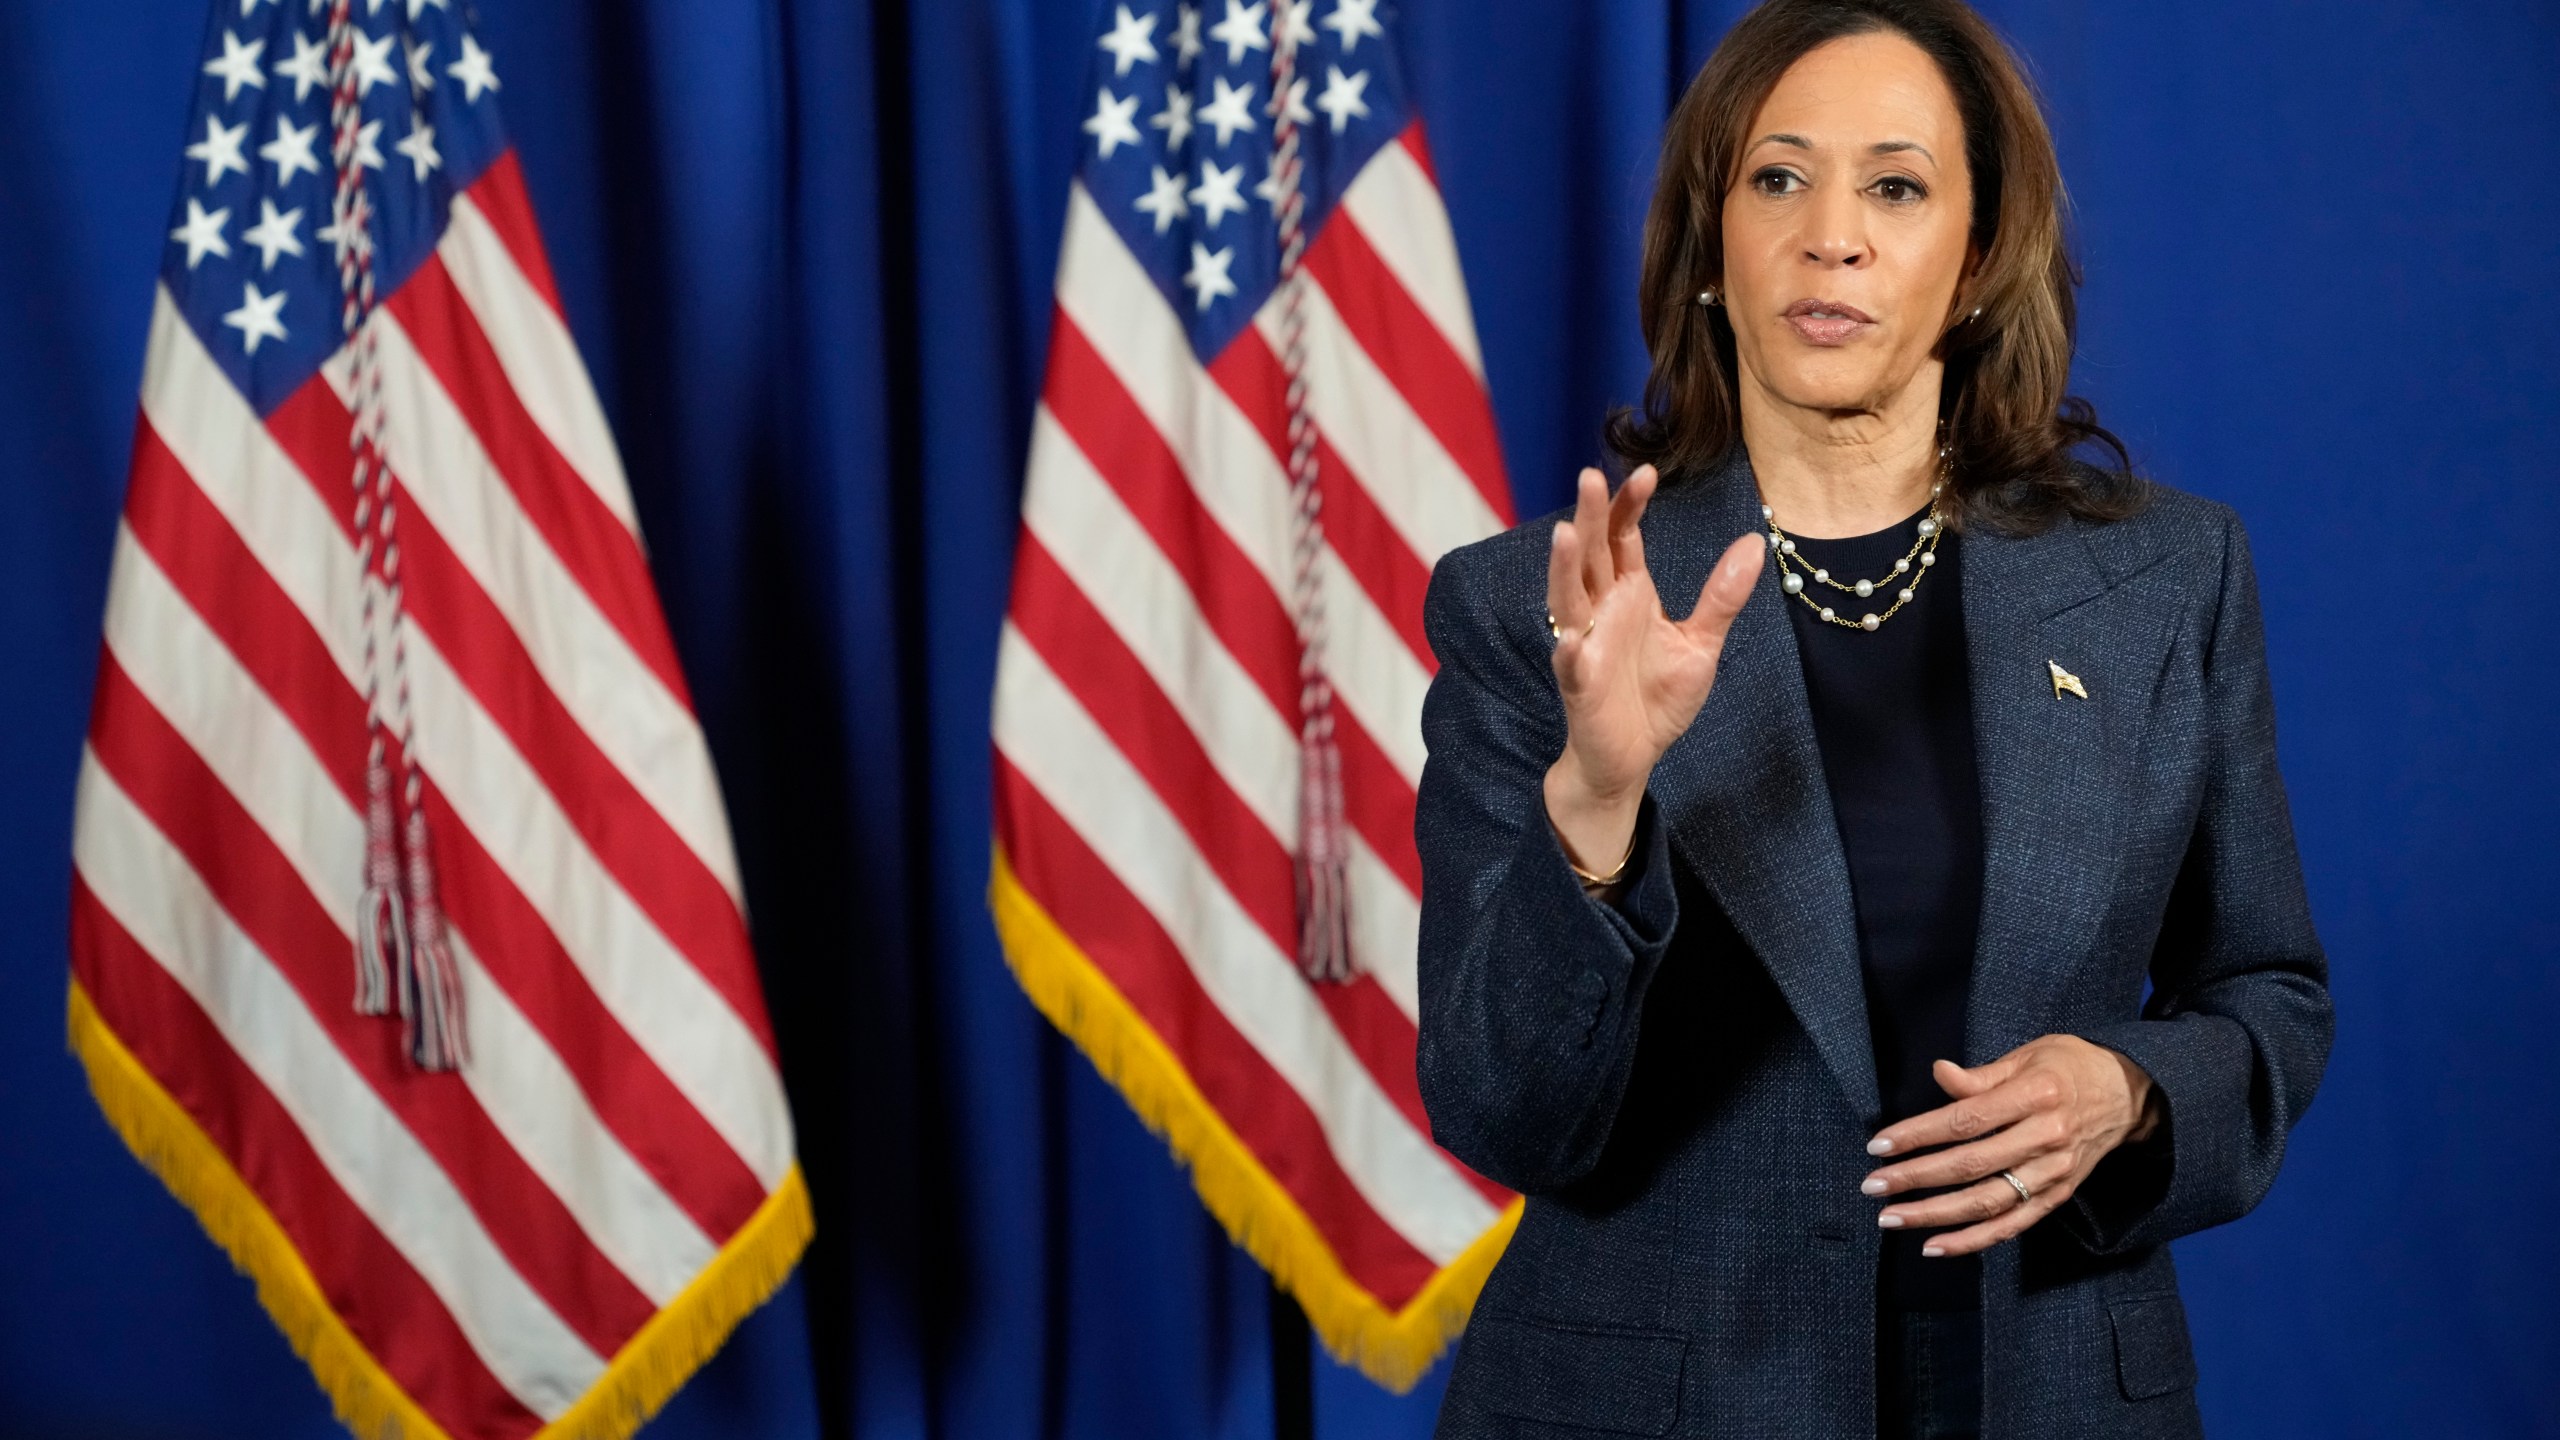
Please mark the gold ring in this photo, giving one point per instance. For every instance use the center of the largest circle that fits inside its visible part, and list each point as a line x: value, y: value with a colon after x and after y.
x: 1555, y: 634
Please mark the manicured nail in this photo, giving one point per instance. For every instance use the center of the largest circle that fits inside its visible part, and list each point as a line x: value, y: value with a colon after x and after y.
x: 1872, y: 1185
x: 1889, y: 1220
x: 1932, y: 1251
x: 1880, y: 1146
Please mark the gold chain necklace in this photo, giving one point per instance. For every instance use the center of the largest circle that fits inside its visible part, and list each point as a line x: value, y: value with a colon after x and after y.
x: 1924, y: 551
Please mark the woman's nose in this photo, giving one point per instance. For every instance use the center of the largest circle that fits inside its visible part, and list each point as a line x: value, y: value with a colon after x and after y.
x: 1835, y: 233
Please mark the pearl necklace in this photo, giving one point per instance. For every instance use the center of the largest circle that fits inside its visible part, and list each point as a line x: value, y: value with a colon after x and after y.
x: 1923, y: 550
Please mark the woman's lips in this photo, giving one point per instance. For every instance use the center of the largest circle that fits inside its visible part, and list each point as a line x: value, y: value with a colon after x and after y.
x: 1826, y: 322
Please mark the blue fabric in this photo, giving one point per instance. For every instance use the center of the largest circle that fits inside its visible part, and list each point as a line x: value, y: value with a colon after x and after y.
x: 807, y: 247
x: 1680, y: 1080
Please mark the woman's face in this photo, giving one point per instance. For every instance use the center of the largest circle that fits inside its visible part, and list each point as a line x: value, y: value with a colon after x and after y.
x: 1846, y: 232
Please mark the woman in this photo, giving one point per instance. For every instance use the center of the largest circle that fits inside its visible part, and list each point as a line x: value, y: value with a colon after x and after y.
x: 1789, y: 955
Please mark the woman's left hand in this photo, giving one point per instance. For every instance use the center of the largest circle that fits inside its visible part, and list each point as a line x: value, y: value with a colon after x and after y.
x: 2047, y: 1112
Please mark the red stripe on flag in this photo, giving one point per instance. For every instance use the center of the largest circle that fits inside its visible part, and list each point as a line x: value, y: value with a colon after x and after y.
x: 643, y: 853
x: 1413, y: 142
x: 1415, y: 357
x: 311, y: 428
x: 1123, y: 941
x: 1380, y: 561
x: 383, y: 1301
x: 259, y: 624
x: 1097, y: 413
x: 593, y: 544
x: 500, y: 194
x: 275, y: 909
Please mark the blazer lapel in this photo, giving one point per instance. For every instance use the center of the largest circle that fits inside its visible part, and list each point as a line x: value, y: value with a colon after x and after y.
x: 2053, y: 768
x: 1744, y: 789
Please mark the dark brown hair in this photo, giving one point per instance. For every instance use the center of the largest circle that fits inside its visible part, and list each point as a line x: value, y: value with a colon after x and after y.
x: 2007, y: 418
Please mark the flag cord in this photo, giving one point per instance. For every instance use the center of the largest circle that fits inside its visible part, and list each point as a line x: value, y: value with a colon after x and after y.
x: 401, y: 954
x: 1322, y: 868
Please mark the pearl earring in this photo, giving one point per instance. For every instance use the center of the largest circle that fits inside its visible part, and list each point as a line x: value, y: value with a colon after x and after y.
x: 1709, y: 296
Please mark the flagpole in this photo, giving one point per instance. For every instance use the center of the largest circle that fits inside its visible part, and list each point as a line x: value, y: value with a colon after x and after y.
x: 1293, y: 1381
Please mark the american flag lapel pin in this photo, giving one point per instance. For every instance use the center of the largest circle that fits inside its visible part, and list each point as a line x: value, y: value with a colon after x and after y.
x: 2064, y: 681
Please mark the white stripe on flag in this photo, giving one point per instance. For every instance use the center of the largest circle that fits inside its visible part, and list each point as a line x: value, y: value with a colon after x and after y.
x: 158, y: 898
x: 617, y: 700
x: 1055, y: 744
x: 1401, y: 214
x: 537, y: 353
x: 198, y: 687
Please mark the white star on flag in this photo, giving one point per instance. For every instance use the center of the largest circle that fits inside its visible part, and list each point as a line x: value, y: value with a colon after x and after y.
x: 273, y: 234
x: 1341, y: 97
x: 368, y: 143
x: 1230, y: 112
x: 1293, y: 21
x: 1352, y: 19
x: 422, y: 76
x: 202, y: 234
x: 257, y: 318
x: 1164, y: 199
x: 1131, y: 40
x: 1186, y: 34
x: 1175, y: 119
x: 1207, y: 276
x: 220, y: 149
x: 1241, y: 30
x: 309, y: 67
x: 420, y: 146
x: 373, y: 64
x: 473, y: 69
x: 290, y: 151
x: 1217, y: 193
x: 420, y: 7
x: 237, y: 66
x: 1297, y: 102
x: 1110, y: 123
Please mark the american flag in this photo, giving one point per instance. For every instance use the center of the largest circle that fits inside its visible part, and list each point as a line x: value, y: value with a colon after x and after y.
x: 1264, y: 419
x: 407, y: 941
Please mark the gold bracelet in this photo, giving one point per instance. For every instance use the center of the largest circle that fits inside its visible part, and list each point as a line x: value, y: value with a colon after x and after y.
x: 1589, y: 880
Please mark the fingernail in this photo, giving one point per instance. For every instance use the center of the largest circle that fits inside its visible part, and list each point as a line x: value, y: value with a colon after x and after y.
x: 1889, y: 1220
x: 1932, y: 1251
x: 1871, y: 1186
x: 1879, y: 1146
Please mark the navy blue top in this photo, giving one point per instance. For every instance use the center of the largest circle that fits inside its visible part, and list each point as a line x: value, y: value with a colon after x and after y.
x: 1893, y: 716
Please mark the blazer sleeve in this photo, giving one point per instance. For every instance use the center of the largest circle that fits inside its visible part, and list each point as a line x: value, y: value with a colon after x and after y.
x: 1530, y: 989
x: 2238, y: 1026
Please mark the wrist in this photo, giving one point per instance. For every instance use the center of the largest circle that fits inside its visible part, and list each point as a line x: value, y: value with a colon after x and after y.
x: 1595, y: 828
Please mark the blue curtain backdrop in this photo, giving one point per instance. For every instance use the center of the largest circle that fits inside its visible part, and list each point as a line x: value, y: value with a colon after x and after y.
x: 807, y: 244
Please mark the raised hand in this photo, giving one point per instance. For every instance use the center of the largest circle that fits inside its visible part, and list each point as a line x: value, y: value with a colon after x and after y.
x: 1632, y: 678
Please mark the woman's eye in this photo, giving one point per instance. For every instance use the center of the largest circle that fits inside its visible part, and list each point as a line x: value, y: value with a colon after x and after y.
x: 1773, y: 182
x: 1899, y: 190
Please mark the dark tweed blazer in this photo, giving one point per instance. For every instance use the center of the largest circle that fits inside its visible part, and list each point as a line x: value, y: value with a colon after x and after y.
x: 1683, y: 1084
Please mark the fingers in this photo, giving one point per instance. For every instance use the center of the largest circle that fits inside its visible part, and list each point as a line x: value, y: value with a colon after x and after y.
x: 1996, y: 1212
x: 1727, y: 586
x: 1567, y: 600
x: 2019, y: 1093
x: 1626, y: 538
x: 1591, y: 529
x: 2006, y: 1149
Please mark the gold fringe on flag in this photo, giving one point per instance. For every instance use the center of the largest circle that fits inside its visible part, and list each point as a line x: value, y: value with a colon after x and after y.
x: 651, y: 1366
x: 1394, y: 1348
